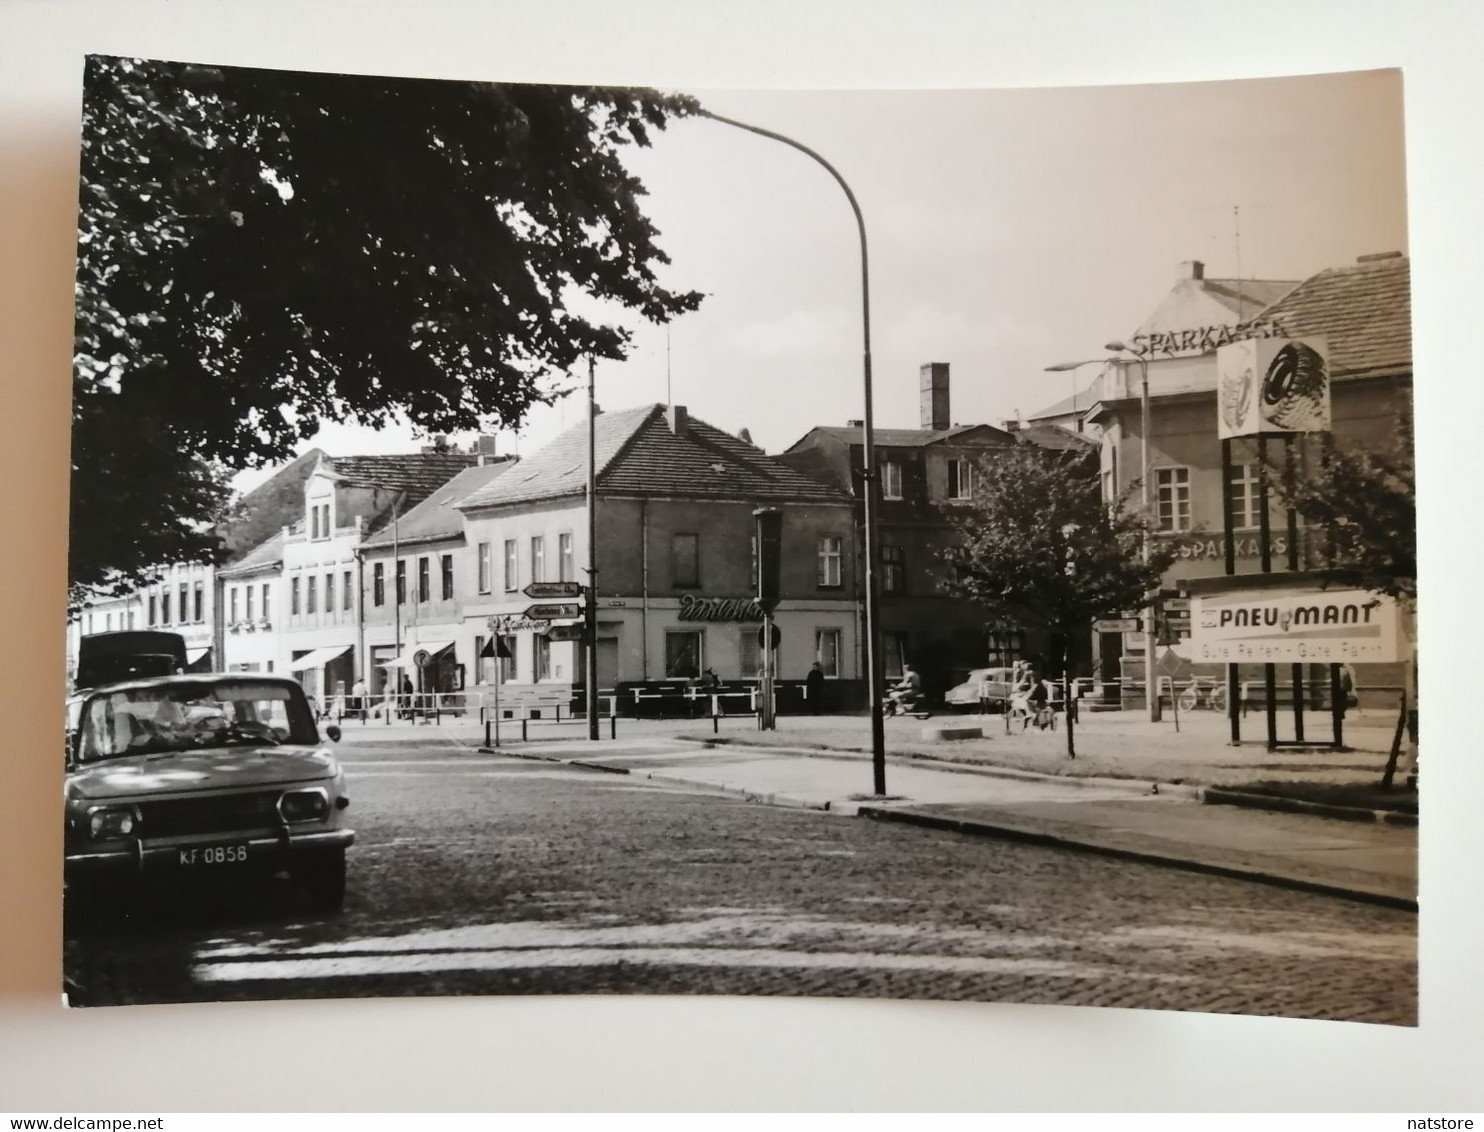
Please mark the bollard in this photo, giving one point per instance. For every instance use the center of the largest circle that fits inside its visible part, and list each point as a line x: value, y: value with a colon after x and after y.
x: 613, y: 727
x: 523, y: 720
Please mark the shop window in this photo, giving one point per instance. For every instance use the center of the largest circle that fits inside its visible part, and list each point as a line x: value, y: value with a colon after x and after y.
x: 1172, y: 498
x: 827, y: 651
x: 685, y: 561
x: 538, y: 558
x: 751, y: 653
x: 684, y: 654
x: 506, y: 664
x: 891, y: 479
x: 829, y: 561
x: 566, y: 567
x: 543, y: 657
x: 424, y: 581
x: 378, y: 584
x: 893, y: 570
x: 512, y: 567
x: 960, y: 479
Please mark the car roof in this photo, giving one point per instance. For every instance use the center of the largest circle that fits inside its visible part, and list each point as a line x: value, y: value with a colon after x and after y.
x: 191, y: 679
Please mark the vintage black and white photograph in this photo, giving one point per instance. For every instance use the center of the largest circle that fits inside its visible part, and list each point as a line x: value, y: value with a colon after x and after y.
x: 570, y: 540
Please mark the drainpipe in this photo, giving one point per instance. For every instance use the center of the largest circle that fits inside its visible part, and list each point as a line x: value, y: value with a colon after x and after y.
x: 644, y: 589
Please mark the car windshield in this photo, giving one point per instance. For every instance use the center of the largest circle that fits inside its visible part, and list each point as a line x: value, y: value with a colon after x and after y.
x: 194, y: 716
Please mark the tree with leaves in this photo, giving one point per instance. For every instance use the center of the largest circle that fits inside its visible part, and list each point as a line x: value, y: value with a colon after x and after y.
x: 1038, y: 546
x: 261, y: 251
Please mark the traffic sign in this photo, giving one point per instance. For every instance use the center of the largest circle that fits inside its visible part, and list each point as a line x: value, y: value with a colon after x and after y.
x: 1117, y: 625
x: 563, y: 611
x: 565, y: 633
x: 777, y: 637
x: 554, y: 589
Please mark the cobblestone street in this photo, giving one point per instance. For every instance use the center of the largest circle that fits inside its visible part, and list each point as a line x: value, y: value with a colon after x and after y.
x: 481, y: 874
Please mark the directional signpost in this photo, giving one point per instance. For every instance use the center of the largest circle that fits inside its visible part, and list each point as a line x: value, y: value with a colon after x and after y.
x: 566, y: 632
x: 554, y: 589
x: 559, y: 611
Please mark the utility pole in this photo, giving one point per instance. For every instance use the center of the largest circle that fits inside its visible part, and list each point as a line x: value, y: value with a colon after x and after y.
x: 590, y: 610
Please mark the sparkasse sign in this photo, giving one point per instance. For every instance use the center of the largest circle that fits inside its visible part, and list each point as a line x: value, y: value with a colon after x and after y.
x: 1295, y: 626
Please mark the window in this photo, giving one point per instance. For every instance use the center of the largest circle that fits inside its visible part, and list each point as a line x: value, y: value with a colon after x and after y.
x: 891, y: 479
x: 685, y: 560
x: 345, y: 592
x: 752, y: 565
x: 184, y: 607
x: 131, y: 619
x: 751, y: 653
x: 424, y: 586
x: 1246, y: 514
x: 566, y: 570
x: 512, y: 569
x: 154, y: 610
x: 232, y: 603
x: 893, y: 570
x: 311, y: 592
x: 90, y: 622
x: 960, y: 479
x: 378, y: 584
x: 324, y: 522
x: 893, y: 653
x: 314, y: 522
x: 829, y: 561
x: 1172, y: 498
x: 482, y: 553
x: 506, y: 667
x: 319, y: 521
x: 199, y: 599
x: 165, y: 608
x: 247, y: 598
x: 543, y: 657
x: 266, y: 612
x: 827, y: 651
x: 684, y: 654
x: 401, y: 582
x: 108, y: 622
x: 538, y: 558
x: 447, y: 570
x: 293, y: 597
x: 329, y: 593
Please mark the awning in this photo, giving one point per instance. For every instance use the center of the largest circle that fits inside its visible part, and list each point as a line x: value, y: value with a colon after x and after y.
x: 408, y: 657
x: 318, y: 658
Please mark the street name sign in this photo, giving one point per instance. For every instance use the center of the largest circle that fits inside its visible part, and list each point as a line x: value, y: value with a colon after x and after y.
x: 553, y: 589
x: 560, y: 611
x: 1117, y: 625
x: 565, y: 633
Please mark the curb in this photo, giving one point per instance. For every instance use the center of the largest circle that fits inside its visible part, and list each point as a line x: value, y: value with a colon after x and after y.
x: 1217, y: 796
x: 1060, y: 841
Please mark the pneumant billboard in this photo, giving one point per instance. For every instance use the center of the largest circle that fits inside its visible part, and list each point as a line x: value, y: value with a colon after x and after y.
x: 1270, y: 386
x: 1294, y: 626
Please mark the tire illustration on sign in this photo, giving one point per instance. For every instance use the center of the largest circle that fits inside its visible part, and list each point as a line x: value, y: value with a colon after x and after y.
x: 1294, y: 387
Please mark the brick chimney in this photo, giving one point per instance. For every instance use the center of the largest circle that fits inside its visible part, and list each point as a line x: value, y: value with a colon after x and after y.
x: 484, y: 449
x: 933, y: 385
x: 1190, y: 269
x: 678, y: 419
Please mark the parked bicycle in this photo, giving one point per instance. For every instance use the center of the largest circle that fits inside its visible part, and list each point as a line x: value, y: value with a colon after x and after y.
x: 1203, y: 693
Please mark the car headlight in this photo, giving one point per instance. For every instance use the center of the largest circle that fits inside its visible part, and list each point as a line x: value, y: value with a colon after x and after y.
x: 112, y: 821
x: 304, y: 805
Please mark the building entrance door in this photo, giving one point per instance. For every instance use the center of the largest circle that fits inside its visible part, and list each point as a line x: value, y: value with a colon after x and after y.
x: 1110, y: 665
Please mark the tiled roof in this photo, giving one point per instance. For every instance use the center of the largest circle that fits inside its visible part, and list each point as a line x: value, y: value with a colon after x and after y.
x: 263, y: 511
x: 438, y: 516
x: 1364, y: 309
x: 638, y: 454
x: 1056, y: 436
x: 417, y: 475
x: 269, y: 552
x: 1193, y: 303
x: 1245, y: 297
x: 907, y: 437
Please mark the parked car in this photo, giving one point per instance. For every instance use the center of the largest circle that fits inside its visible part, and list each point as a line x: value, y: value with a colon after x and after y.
x: 969, y: 693
x: 190, y: 777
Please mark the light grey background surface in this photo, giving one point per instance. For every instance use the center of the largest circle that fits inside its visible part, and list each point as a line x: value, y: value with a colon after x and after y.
x: 637, y: 1053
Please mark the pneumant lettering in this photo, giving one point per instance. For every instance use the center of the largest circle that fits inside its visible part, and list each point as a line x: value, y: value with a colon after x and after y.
x: 1332, y: 613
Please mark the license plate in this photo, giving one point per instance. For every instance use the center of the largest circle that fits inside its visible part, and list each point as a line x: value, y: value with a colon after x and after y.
x: 198, y: 855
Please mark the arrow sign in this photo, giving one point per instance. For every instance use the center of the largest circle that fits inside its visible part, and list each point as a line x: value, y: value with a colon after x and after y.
x: 565, y: 633
x: 563, y: 611
x: 553, y: 589
x: 1117, y: 625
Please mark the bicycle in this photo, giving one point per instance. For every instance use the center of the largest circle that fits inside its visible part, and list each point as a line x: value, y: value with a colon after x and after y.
x: 1203, y: 693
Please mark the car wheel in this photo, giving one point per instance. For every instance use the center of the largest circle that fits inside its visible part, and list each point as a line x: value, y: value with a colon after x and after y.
x: 324, y: 878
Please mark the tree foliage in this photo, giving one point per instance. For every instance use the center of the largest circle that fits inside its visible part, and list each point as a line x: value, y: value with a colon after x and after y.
x: 1364, y: 503
x: 259, y: 252
x: 1040, y: 546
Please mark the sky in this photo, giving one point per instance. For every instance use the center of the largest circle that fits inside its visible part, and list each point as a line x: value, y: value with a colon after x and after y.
x: 1007, y: 231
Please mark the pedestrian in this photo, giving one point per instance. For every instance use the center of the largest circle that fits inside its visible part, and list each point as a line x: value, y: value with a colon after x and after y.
x: 358, y: 699
x: 1347, y: 689
x: 404, y: 709
x: 814, y: 688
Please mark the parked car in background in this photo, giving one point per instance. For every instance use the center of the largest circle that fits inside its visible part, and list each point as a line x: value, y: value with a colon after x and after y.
x: 128, y: 654
x: 190, y: 777
x: 993, y: 683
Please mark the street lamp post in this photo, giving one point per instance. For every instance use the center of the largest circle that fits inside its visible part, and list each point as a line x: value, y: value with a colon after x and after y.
x: 870, y: 479
x: 1151, y: 689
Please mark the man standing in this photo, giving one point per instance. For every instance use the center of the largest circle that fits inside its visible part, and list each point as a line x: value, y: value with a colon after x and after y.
x: 358, y: 699
x: 814, y: 689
